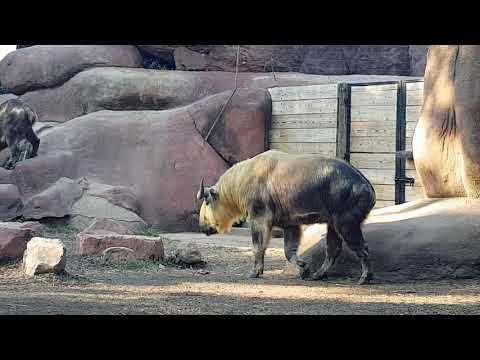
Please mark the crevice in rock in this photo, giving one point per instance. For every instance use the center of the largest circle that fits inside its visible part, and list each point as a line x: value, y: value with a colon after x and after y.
x: 229, y: 163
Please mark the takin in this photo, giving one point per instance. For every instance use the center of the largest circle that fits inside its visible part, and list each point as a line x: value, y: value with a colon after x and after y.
x: 16, y: 121
x: 289, y: 191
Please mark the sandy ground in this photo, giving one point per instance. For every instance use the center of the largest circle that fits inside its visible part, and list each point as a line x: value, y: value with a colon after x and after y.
x: 221, y: 287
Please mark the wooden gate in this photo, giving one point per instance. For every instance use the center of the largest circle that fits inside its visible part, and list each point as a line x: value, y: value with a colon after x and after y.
x: 366, y: 124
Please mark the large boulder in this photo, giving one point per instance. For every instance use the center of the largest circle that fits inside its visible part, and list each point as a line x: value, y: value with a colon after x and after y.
x: 14, y: 237
x: 252, y: 58
x: 423, y: 239
x: 160, y: 156
x: 418, y: 59
x: 312, y: 59
x: 356, y: 59
x: 5, y: 97
x: 55, y: 201
x: 447, y: 136
x: 11, y: 205
x: 44, y: 256
x: 141, y: 89
x: 44, y: 66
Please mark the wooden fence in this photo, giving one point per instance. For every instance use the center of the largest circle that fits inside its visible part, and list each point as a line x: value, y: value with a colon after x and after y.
x: 363, y: 123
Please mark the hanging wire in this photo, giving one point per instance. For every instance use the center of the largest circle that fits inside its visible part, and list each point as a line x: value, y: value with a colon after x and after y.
x: 228, y: 101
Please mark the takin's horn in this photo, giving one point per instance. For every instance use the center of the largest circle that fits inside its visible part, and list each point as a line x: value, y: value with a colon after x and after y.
x: 201, y: 192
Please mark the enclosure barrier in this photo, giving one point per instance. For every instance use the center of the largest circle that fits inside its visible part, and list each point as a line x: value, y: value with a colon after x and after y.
x: 369, y: 125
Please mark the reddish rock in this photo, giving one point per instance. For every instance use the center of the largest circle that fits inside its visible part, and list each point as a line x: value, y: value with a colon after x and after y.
x: 95, y: 244
x: 252, y: 58
x: 141, y: 89
x: 424, y: 239
x: 241, y: 132
x: 44, y: 256
x: 356, y: 59
x: 119, y: 254
x: 99, y: 226
x: 44, y: 66
x: 159, y: 155
x: 14, y: 237
x: 5, y: 176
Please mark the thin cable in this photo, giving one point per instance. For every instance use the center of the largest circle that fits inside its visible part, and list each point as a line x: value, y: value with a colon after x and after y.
x: 226, y: 103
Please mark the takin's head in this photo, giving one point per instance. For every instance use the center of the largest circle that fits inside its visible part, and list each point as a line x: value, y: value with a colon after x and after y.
x: 215, y: 216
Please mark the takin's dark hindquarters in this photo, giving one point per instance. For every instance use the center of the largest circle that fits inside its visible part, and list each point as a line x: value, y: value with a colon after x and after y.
x: 16, y: 121
x: 288, y: 191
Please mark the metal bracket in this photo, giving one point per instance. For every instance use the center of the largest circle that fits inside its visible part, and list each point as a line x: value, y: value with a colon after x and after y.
x: 406, y: 180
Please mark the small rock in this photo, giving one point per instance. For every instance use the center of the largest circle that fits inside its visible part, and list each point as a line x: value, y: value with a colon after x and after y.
x: 188, y: 256
x: 118, y: 254
x: 14, y: 237
x: 103, y: 225
x: 44, y: 256
x: 162, y: 267
x: 144, y: 247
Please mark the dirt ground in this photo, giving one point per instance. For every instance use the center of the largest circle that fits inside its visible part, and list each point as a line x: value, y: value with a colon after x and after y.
x: 221, y: 287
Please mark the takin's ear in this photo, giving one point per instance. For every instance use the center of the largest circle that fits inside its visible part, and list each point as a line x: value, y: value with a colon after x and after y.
x: 212, y: 194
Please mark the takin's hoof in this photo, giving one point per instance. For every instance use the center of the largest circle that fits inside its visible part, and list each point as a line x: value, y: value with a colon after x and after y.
x: 365, y: 279
x: 319, y: 276
x: 254, y: 274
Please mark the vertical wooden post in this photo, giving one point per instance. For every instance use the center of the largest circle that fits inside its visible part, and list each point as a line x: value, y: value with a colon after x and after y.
x: 400, y: 142
x: 343, y: 121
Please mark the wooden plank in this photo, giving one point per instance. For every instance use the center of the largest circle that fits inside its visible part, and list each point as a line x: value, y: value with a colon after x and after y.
x: 322, y: 91
x: 374, y: 113
x: 304, y: 121
x: 373, y: 88
x: 381, y: 204
x: 384, y: 192
x: 303, y: 135
x: 409, y: 165
x: 372, y: 145
x: 415, y: 86
x: 375, y: 98
x: 413, y: 113
x: 408, y: 143
x: 325, y: 149
x: 414, y: 97
x: 373, y: 128
x: 414, y: 193
x: 379, y: 176
x: 373, y: 161
x: 322, y: 106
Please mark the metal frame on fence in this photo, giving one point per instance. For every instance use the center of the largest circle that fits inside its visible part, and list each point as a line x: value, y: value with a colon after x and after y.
x: 344, y: 124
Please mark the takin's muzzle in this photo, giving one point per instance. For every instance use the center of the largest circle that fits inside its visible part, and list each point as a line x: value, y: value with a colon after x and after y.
x: 208, y: 230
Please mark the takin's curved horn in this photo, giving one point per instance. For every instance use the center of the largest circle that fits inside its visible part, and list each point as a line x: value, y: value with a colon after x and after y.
x: 201, y: 192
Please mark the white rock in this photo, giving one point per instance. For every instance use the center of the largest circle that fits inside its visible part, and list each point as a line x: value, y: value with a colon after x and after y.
x: 44, y: 256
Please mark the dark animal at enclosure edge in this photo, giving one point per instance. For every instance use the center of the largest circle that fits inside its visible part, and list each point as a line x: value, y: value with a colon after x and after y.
x: 16, y: 121
x: 289, y: 191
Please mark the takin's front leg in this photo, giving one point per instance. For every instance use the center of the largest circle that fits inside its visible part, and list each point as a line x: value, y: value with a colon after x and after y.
x: 261, y: 234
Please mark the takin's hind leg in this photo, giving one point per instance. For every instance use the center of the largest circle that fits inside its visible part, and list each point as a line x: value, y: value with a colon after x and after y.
x: 261, y: 234
x: 333, y: 249
x: 14, y: 154
x: 352, y: 234
x: 291, y: 241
